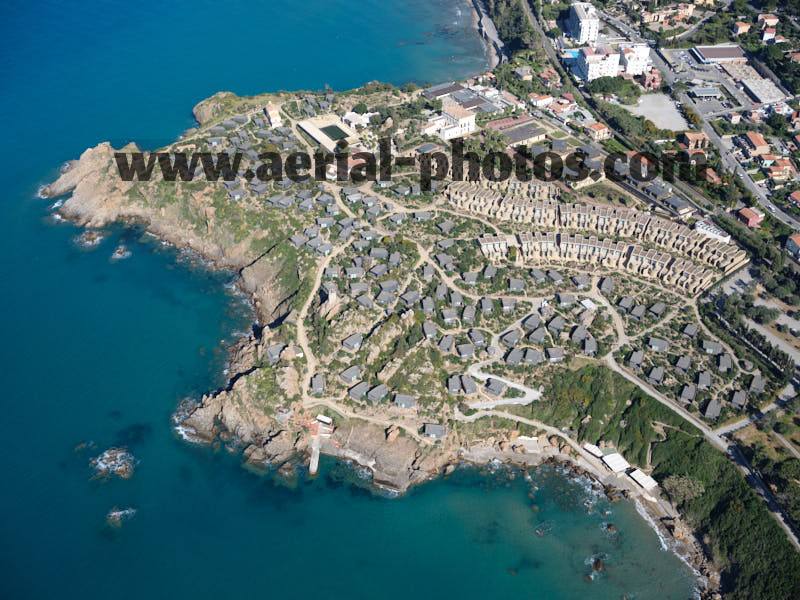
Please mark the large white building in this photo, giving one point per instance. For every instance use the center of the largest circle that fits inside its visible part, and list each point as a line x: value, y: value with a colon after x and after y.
x: 596, y: 62
x: 583, y: 24
x: 454, y: 122
x: 635, y: 58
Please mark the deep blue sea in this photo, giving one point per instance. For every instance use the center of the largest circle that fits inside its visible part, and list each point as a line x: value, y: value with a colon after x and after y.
x: 100, y: 351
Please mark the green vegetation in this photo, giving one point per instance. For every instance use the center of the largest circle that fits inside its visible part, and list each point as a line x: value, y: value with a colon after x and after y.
x: 626, y: 91
x: 512, y: 24
x: 637, y: 129
x: 755, y: 558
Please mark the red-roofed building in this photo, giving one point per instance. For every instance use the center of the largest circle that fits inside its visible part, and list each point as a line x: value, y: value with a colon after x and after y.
x: 756, y: 144
x: 508, y: 122
x: 750, y: 217
x: 795, y: 197
x: 768, y: 34
x: 694, y: 140
x: 740, y: 28
x: 767, y: 20
x: 598, y: 132
x: 711, y: 176
x: 540, y: 100
x: 781, y: 171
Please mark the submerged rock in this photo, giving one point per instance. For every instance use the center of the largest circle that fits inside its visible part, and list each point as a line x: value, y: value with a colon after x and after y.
x: 90, y: 238
x: 114, y: 461
x: 116, y: 516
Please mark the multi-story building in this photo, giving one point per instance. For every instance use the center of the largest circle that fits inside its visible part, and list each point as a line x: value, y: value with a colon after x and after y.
x: 635, y: 58
x: 583, y: 24
x: 593, y: 63
x: 455, y: 121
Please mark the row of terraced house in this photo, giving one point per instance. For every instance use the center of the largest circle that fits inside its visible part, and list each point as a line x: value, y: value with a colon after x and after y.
x: 534, y: 205
x: 549, y: 247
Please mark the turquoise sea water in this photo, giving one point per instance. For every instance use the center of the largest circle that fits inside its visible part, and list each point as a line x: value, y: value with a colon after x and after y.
x: 102, y: 351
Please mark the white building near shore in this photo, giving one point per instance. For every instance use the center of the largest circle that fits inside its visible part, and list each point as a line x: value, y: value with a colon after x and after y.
x: 455, y: 121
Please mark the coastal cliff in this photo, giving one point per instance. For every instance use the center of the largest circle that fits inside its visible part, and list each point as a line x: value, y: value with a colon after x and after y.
x: 187, y: 219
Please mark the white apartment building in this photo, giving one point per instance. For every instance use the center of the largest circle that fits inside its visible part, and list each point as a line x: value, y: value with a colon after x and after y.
x: 454, y: 122
x: 596, y: 62
x: 635, y: 58
x: 583, y: 24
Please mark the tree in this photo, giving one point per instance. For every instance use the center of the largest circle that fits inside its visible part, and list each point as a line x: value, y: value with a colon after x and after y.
x: 681, y: 489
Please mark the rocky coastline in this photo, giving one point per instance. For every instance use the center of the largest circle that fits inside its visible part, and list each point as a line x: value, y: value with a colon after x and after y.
x: 232, y: 415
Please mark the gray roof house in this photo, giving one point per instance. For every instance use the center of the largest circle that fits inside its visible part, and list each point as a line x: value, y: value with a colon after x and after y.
x: 318, y: 384
x: 470, y: 277
x: 468, y: 385
x: 581, y: 281
x: 637, y: 312
x: 565, y: 300
x: 658, y: 344
x: 538, y: 276
x: 658, y: 309
x: 365, y: 301
x: 607, y: 285
x: 557, y: 324
x: 724, y: 363
x: 495, y: 387
x: 555, y: 354
x: 508, y: 304
x: 516, y: 285
x: 712, y: 347
x: 514, y: 357
x: 353, y: 342
x: 454, y: 384
x: 656, y: 375
x: 351, y: 374
x: 635, y: 359
x: 377, y: 393
x: 434, y: 430
x: 531, y: 322
x: 429, y: 329
x: 538, y: 335
x: 688, y: 393
x: 476, y: 337
x: 703, y: 380
x: 590, y: 346
x: 358, y: 391
x: 510, y: 338
x: 690, y: 330
x: 449, y: 316
x: 739, y: 399
x: 533, y: 356
x: 713, y: 409
x: 405, y: 401
x: 465, y: 350
x: 579, y: 334
x: 625, y: 303
x: 555, y: 276
x: 446, y: 343
x: 683, y: 363
x: 468, y: 314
